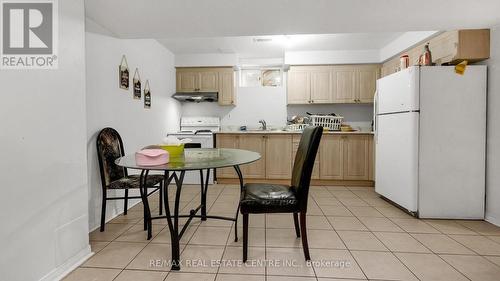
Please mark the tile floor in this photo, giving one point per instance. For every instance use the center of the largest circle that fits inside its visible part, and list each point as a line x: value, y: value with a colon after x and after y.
x: 353, y: 235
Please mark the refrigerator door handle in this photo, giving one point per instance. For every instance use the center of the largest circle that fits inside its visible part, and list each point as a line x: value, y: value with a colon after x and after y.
x: 375, y: 115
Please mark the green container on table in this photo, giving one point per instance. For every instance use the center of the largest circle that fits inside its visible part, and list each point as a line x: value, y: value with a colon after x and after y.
x: 173, y: 150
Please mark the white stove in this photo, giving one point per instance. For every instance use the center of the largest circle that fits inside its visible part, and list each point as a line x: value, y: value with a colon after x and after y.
x: 200, y: 130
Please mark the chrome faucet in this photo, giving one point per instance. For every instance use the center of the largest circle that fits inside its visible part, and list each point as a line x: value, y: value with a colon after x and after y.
x: 264, y: 124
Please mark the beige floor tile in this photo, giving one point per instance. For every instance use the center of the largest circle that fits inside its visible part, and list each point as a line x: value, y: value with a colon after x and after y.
x: 284, y: 238
x: 131, y: 217
x: 495, y: 260
x: 495, y: 238
x: 430, y: 267
x: 210, y: 236
x: 111, y: 231
x: 327, y: 201
x: 401, y: 242
x: 478, y: 244
x: 278, y: 221
x: 380, y: 224
x: 187, y: 276
x: 153, y: 257
x: 346, y: 223
x: 164, y: 235
x: 474, y: 267
x: 94, y: 274
x: 314, y: 210
x: 240, y: 277
x: 318, y: 222
x: 442, y: 244
x: 324, y: 239
x: 287, y: 261
x: 481, y: 227
x: 365, y: 212
x: 254, y: 220
x: 216, y: 223
x: 382, y: 265
x: 135, y: 275
x: 392, y: 212
x: 336, y: 188
x: 290, y: 278
x: 197, y: 258
x: 336, y: 211
x: 353, y: 202
x: 366, y: 193
x: 450, y: 227
x: 377, y: 202
x: 343, y: 194
x: 336, y: 279
x: 232, y: 261
x: 360, y: 240
x: 137, y: 234
x: 115, y: 255
x: 414, y: 225
x: 337, y: 264
x: 256, y: 237
x: 96, y: 246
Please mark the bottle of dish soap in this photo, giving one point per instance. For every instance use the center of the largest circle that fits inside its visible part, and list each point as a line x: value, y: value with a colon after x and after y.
x: 427, y: 56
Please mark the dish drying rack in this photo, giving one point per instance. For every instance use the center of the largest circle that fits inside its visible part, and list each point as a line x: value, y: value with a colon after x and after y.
x: 329, y: 122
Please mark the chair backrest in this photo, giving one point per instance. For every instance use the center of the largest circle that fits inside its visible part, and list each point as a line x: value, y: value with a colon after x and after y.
x: 304, y: 162
x: 109, y: 148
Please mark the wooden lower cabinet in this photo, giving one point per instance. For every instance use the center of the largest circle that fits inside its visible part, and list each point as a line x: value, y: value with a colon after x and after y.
x: 340, y: 157
x: 331, y: 164
x: 257, y: 143
x: 356, y: 157
x: 279, y: 156
x: 227, y: 141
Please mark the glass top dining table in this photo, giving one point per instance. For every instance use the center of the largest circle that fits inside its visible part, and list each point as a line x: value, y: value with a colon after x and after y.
x: 193, y: 159
x: 197, y: 159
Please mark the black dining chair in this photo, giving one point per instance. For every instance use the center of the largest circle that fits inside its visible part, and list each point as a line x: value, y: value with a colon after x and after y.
x: 262, y: 198
x: 114, y: 177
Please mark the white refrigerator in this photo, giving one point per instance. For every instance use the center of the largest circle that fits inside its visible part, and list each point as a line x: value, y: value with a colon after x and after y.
x: 430, y: 141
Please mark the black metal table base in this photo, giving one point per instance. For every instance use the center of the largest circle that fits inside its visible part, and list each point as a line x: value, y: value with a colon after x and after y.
x: 173, y: 219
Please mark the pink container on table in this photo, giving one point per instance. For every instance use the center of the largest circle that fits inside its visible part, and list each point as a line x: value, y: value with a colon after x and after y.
x: 151, y: 157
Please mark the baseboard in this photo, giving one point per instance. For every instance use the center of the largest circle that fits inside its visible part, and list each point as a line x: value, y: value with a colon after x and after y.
x: 287, y: 181
x: 493, y: 220
x: 71, y: 264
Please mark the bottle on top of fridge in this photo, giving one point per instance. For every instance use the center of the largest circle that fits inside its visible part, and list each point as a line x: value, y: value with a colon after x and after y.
x: 427, y: 56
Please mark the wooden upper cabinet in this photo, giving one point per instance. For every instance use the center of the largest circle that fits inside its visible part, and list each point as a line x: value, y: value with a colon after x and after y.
x: 356, y: 157
x: 344, y: 84
x: 187, y: 81
x: 321, y: 91
x: 226, y: 88
x: 299, y: 86
x: 367, y: 83
x: 332, y: 151
x: 209, y: 81
x: 279, y: 156
x: 256, y: 143
x: 450, y: 47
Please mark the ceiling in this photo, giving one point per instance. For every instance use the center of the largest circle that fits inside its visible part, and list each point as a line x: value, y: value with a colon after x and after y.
x: 162, y: 19
x: 275, y: 46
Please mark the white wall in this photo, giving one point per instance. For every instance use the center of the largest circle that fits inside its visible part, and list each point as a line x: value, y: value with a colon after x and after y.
x: 206, y: 60
x: 493, y: 139
x: 110, y: 106
x: 332, y: 57
x: 43, y: 206
x: 404, y: 42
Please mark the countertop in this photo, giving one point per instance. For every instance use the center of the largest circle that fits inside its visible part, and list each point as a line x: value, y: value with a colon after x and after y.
x: 293, y: 132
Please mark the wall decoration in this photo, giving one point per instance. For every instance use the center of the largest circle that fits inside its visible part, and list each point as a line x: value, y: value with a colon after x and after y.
x: 137, y: 84
x: 123, y: 73
x: 147, y: 95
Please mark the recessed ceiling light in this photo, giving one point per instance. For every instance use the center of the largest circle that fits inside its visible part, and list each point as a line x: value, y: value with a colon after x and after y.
x: 262, y: 40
